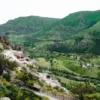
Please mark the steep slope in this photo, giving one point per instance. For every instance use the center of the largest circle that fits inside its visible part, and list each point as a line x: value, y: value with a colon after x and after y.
x: 21, y: 74
x: 87, y: 40
x: 72, y: 24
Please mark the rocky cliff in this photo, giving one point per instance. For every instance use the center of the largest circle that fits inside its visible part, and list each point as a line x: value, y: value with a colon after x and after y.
x: 19, y: 70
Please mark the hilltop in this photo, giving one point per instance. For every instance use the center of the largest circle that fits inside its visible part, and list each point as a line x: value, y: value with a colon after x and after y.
x: 27, y: 25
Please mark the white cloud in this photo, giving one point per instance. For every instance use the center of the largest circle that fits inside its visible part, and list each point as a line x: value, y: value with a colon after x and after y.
x: 10, y: 9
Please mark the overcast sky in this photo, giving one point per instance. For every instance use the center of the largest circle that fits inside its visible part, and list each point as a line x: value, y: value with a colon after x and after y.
x: 10, y: 9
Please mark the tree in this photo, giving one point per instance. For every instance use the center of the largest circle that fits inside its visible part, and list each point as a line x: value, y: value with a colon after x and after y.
x: 82, y: 89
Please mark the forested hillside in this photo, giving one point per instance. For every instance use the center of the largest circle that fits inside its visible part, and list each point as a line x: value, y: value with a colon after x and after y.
x: 77, y: 32
x: 85, y: 41
x: 73, y: 23
x: 27, y: 25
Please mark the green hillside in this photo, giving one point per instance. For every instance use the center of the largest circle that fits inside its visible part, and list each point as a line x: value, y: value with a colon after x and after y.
x: 77, y: 32
x: 61, y: 34
x: 27, y: 25
x: 87, y: 40
x: 72, y: 24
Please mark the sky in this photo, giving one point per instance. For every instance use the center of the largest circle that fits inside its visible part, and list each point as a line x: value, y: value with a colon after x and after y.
x: 10, y: 9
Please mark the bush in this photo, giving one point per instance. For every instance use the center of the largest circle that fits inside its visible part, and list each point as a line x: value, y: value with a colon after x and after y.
x: 93, y: 96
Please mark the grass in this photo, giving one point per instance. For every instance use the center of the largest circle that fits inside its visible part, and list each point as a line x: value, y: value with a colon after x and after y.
x: 43, y: 63
x: 42, y: 44
x: 63, y: 62
x: 67, y: 81
x: 92, y: 72
x: 17, y: 38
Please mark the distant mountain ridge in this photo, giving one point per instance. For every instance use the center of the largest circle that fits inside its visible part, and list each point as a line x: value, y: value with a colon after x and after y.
x: 75, y: 30
x: 74, y: 23
x: 27, y: 25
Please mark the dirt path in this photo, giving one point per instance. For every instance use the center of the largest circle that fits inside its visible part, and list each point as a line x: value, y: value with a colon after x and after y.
x: 50, y: 98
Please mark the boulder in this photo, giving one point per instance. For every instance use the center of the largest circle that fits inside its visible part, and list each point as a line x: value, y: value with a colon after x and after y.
x: 19, y: 47
x: 5, y: 98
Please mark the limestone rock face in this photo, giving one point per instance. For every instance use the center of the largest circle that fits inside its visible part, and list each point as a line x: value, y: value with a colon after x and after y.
x: 5, y: 98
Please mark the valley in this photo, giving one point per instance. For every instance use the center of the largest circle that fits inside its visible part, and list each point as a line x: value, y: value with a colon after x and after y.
x: 57, y: 56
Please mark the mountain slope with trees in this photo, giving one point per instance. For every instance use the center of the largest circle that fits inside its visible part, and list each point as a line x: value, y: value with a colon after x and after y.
x: 27, y: 25
x: 85, y: 41
x: 73, y: 23
x: 63, y: 33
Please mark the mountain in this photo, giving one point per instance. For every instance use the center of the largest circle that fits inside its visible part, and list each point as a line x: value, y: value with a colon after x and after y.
x: 89, y: 38
x: 73, y: 23
x: 49, y: 33
x: 27, y: 25
x: 84, y: 41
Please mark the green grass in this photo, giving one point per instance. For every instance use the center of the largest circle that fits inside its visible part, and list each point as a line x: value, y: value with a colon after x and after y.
x: 92, y: 72
x: 62, y: 62
x: 17, y: 38
x: 43, y: 63
x: 41, y: 44
x: 68, y: 81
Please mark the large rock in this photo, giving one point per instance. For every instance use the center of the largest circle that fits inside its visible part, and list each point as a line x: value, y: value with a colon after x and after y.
x: 5, y: 98
x: 5, y: 40
x: 19, y: 47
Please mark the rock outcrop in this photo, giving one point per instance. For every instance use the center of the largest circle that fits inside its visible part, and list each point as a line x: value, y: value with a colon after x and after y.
x: 19, y: 47
x: 4, y: 39
x: 4, y: 42
x: 5, y: 98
